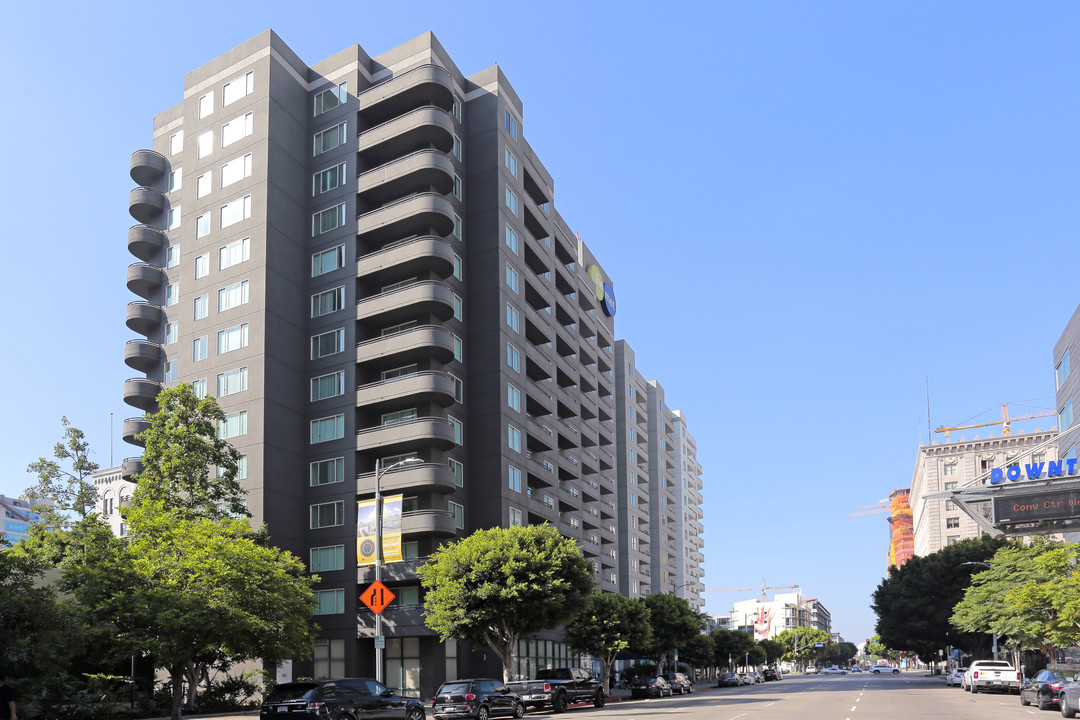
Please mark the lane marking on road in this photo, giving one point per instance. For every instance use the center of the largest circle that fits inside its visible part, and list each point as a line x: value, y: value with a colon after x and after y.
x: 852, y: 709
x: 736, y: 717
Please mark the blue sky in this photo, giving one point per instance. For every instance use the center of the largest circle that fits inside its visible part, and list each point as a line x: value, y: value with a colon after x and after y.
x: 807, y: 209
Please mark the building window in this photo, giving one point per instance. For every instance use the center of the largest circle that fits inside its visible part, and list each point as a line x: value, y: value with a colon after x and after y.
x: 457, y: 227
x: 331, y: 98
x: 459, y: 389
x: 513, y: 397
x: 200, y: 348
x: 174, y: 218
x: 176, y: 179
x: 324, y: 559
x: 513, y: 438
x: 235, y: 211
x: 950, y: 469
x: 236, y: 170
x: 455, y: 150
x: 511, y: 239
x: 204, y: 145
x: 513, y: 478
x: 459, y: 312
x: 202, y: 225
x: 458, y: 470
x: 327, y: 302
x: 172, y: 294
x: 327, y: 515
x: 327, y: 386
x: 327, y: 180
x: 459, y: 353
x: 327, y: 343
x: 512, y: 317
x: 233, y: 425
x: 511, y: 277
x: 459, y: 515
x: 327, y: 429
x: 512, y: 357
x: 172, y: 331
x: 511, y: 162
x: 176, y: 143
x: 199, y: 388
x: 400, y: 372
x: 232, y: 382
x: 398, y: 417
x: 1066, y: 420
x: 459, y: 430
x: 329, y: 602
x: 329, y: 139
x: 327, y: 472
x: 457, y: 187
x: 171, y: 371
x: 234, y: 253
x: 232, y: 338
x: 511, y: 125
x: 456, y: 109
x: 237, y: 129
x: 203, y: 185
x: 1062, y: 370
x: 172, y: 256
x: 202, y: 306
x: 232, y: 296
x: 239, y: 88
x: 511, y: 201
x: 202, y: 266
x: 952, y: 539
x: 515, y: 517
x: 206, y: 104
x: 953, y: 522
x: 457, y: 267
x: 326, y: 220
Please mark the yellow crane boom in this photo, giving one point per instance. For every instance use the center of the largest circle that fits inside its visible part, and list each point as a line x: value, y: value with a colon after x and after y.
x: 1005, y: 422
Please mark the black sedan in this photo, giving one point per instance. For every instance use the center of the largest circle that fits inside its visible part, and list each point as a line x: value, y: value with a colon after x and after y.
x: 1045, y: 688
x: 478, y: 698
x: 650, y: 687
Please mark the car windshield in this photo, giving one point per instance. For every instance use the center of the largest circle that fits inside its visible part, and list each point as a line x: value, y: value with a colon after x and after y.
x: 555, y: 674
x: 290, y: 691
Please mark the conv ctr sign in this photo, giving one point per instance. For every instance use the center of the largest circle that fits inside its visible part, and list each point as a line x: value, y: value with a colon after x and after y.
x: 1064, y: 505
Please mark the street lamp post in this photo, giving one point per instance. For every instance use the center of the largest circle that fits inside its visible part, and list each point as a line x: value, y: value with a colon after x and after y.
x: 378, y: 555
x: 989, y: 566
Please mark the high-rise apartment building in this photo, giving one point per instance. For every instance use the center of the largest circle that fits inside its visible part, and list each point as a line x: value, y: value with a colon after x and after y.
x: 16, y: 519
x: 362, y: 261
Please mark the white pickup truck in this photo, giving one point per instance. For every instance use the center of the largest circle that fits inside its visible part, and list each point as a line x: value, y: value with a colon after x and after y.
x: 991, y: 675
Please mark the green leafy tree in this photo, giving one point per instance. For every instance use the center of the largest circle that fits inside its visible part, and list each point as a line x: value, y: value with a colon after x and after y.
x: 876, y: 649
x: 608, y: 625
x: 811, y: 644
x: 774, y: 650
x: 64, y: 490
x: 497, y: 586
x: 1030, y: 596
x: 673, y: 622
x: 914, y: 604
x: 732, y: 646
x: 698, y: 652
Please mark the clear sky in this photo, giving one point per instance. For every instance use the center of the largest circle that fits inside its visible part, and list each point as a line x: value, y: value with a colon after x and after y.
x: 807, y: 209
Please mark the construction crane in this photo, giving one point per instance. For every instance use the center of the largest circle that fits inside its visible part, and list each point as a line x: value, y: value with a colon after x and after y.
x: 1005, y: 422
x: 882, y: 506
x: 764, y: 587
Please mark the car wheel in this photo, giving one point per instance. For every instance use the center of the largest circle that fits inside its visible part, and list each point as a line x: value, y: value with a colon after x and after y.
x: 1023, y: 699
x: 559, y: 703
x: 1066, y: 711
x: 599, y: 699
x: 416, y: 714
x: 482, y: 713
x: 691, y: 690
x: 974, y: 689
x: 895, y: 672
x: 519, y: 710
x: 1044, y: 704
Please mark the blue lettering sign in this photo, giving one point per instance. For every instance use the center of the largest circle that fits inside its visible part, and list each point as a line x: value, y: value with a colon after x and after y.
x: 1034, y: 472
x: 996, y: 476
x: 1053, y: 468
x: 1013, y: 473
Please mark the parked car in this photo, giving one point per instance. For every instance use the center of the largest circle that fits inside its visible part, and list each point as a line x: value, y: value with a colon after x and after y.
x: 811, y: 671
x: 1069, y: 699
x: 478, y: 698
x: 1045, y: 688
x: 856, y: 668
x: 747, y: 678
x: 956, y: 677
x: 985, y: 675
x: 679, y: 683
x: 834, y: 671
x: 558, y: 687
x: 878, y: 669
x: 650, y: 687
x: 730, y: 680
x: 771, y: 674
x: 334, y: 699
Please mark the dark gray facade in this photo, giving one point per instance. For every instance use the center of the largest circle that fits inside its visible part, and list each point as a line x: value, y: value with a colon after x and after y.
x: 1067, y: 351
x: 362, y: 260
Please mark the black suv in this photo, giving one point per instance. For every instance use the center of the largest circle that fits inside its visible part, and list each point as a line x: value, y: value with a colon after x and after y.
x: 679, y: 683
x: 478, y: 698
x: 771, y: 674
x: 351, y: 698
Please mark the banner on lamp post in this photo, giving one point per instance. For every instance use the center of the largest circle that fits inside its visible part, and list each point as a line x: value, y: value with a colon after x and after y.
x: 366, y: 527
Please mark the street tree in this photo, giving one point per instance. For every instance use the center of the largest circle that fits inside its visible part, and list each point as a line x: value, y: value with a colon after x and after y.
x: 499, y: 585
x: 810, y: 645
x: 698, y: 652
x: 914, y: 604
x: 773, y: 649
x: 607, y: 625
x: 673, y: 622
x: 64, y: 491
x: 731, y: 648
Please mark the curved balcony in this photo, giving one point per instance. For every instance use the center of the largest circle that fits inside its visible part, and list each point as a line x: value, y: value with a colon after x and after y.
x: 147, y: 166
x: 421, y: 476
x: 142, y: 393
x: 415, y: 257
x: 422, y: 170
x: 143, y: 317
x: 142, y: 355
x: 421, y: 387
x: 144, y: 279
x: 144, y: 242
x: 403, y: 303
x: 424, y: 85
x: 425, y: 341
x: 406, y: 436
x: 144, y: 203
x: 130, y: 468
x: 420, y: 214
x: 132, y: 427
x: 424, y: 127
x: 428, y: 522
